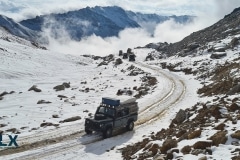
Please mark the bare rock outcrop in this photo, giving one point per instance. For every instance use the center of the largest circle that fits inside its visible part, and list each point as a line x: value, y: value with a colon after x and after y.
x: 219, y: 138
x: 168, y: 144
x: 218, y: 55
x: 236, y: 134
x: 34, y: 88
x: 180, y: 117
x: 71, y: 119
x: 62, y: 86
x: 43, y: 102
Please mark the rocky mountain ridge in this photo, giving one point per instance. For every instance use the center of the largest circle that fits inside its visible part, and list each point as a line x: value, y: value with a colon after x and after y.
x: 210, y: 128
x: 17, y: 29
x: 101, y: 21
x: 227, y: 26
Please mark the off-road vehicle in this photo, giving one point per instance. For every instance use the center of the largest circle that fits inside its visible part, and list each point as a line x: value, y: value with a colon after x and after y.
x: 112, y: 115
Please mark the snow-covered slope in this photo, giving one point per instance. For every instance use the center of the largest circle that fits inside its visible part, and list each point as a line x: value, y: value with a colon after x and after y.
x: 189, y: 99
x: 117, y: 15
x: 24, y: 65
x: 210, y: 128
x: 147, y: 18
x: 17, y: 29
x: 43, y: 113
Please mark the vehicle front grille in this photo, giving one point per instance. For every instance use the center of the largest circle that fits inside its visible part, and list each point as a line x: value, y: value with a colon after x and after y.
x: 91, y: 124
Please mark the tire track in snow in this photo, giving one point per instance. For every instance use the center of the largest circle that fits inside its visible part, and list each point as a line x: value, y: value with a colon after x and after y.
x: 157, y: 109
x: 148, y: 115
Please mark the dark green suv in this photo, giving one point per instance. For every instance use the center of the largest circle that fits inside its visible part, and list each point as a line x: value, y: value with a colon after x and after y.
x: 111, y: 115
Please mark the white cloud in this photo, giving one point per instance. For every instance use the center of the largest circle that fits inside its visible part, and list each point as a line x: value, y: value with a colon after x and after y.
x: 169, y: 31
x: 208, y: 12
x: 30, y: 8
x: 102, y: 46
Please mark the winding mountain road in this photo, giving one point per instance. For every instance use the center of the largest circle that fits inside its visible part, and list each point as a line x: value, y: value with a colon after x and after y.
x: 61, y: 141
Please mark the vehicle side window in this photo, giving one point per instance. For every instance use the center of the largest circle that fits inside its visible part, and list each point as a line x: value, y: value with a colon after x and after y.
x: 110, y: 112
x: 101, y: 110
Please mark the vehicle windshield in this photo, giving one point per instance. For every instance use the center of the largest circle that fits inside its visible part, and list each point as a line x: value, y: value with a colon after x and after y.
x: 106, y: 111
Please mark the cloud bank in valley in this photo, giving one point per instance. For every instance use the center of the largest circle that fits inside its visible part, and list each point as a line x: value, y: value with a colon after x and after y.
x: 169, y: 31
x: 207, y: 12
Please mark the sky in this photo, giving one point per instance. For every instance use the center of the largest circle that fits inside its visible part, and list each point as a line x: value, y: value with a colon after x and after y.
x: 22, y: 9
x: 207, y: 11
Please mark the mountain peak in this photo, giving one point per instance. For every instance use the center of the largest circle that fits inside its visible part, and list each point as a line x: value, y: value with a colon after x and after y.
x: 235, y: 11
x: 16, y: 29
x: 224, y: 28
x: 101, y: 21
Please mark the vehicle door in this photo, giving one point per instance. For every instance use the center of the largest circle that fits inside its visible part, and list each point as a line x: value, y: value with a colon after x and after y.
x: 125, y: 116
x: 119, y: 119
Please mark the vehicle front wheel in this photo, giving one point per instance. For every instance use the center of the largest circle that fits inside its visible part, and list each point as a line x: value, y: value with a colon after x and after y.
x: 107, y: 133
x: 130, y: 126
x: 88, y: 131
